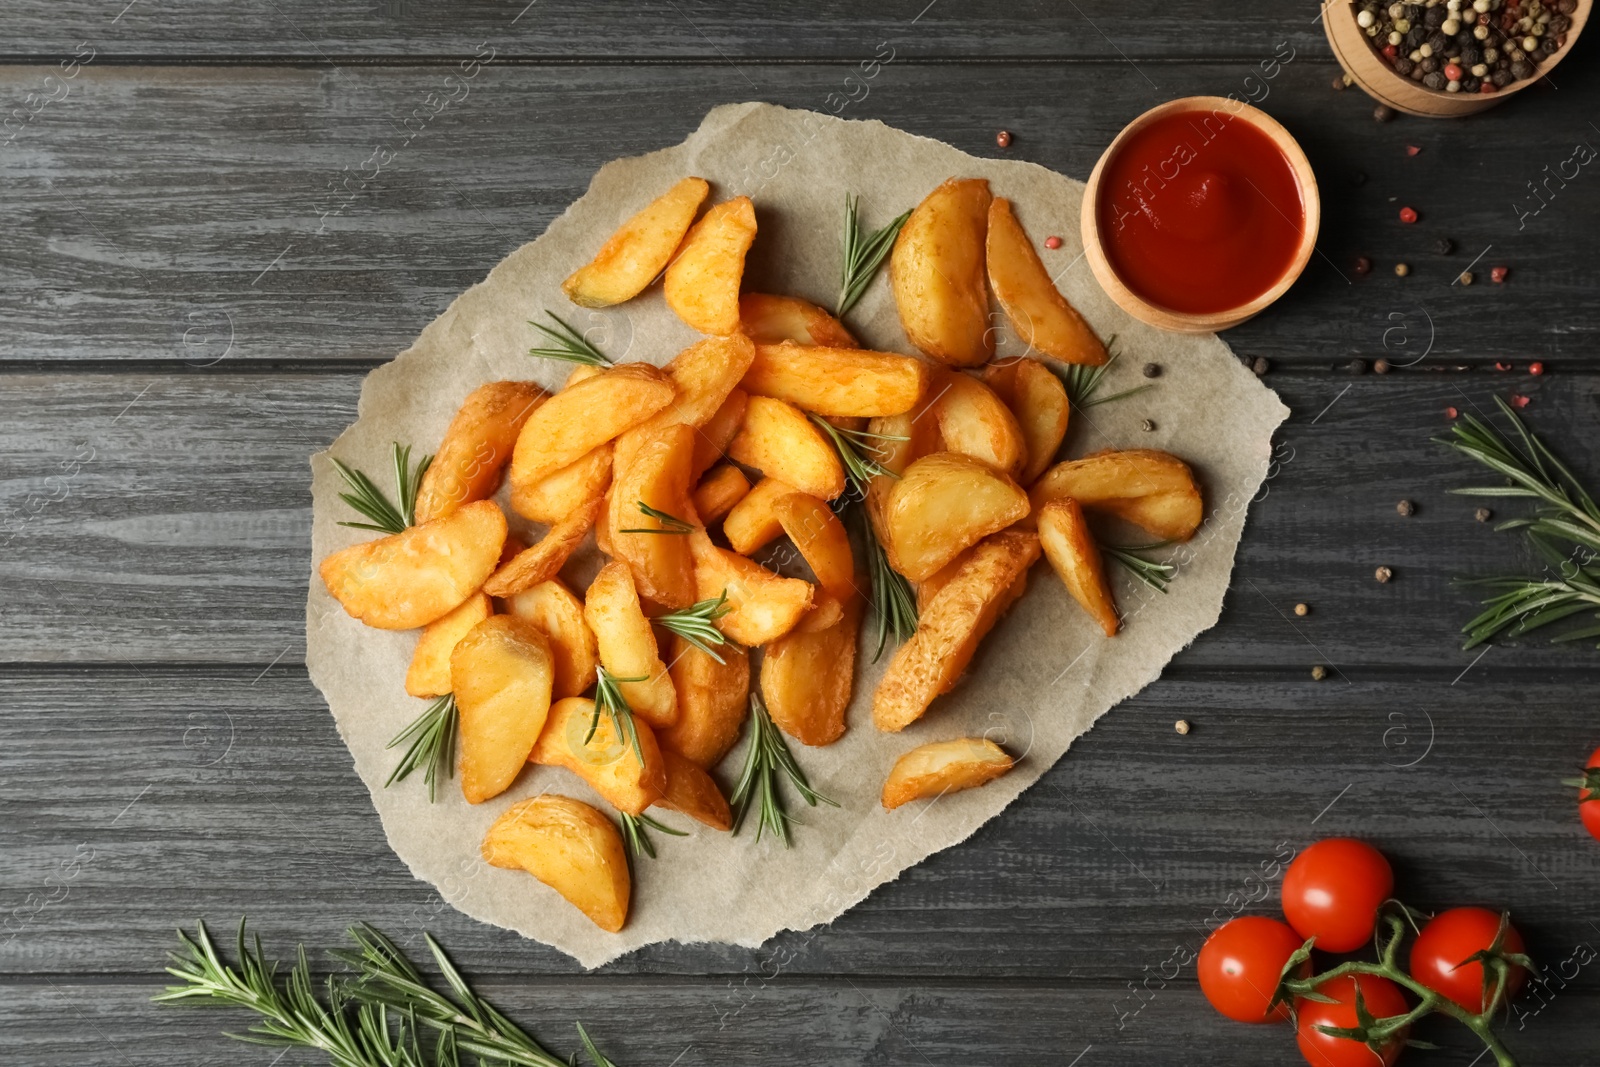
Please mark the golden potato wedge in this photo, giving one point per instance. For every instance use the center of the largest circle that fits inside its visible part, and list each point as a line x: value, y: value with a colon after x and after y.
x: 942, y: 504
x: 779, y: 441
x: 476, y: 447
x: 502, y: 672
x: 753, y: 522
x: 902, y: 439
x: 1039, y: 401
x: 1070, y: 547
x: 948, y: 632
x: 584, y: 416
x: 822, y: 540
x: 568, y: 489
x: 936, y: 272
x: 712, y: 702
x: 627, y: 645
x: 429, y: 673
x: 764, y: 606
x: 718, y: 432
x: 852, y: 382
x: 558, y: 614
x: 929, y: 587
x: 769, y: 319
x: 544, y: 560
x: 977, y: 423
x: 944, y: 767
x: 705, y: 374
x: 570, y: 847
x: 693, y: 792
x: 652, y: 469
x: 606, y: 760
x: 718, y: 492
x: 826, y: 609
x: 702, y: 283
x: 640, y: 248
x: 1151, y: 489
x: 1038, y: 313
x: 581, y: 372
x: 807, y: 677
x: 409, y: 579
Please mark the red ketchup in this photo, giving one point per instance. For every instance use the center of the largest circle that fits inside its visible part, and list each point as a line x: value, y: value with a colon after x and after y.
x: 1200, y: 212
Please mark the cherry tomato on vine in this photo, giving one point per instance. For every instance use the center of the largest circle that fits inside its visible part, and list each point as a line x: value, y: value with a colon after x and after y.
x: 1449, y: 938
x: 1240, y: 964
x: 1589, y: 796
x: 1381, y: 997
x: 1332, y: 891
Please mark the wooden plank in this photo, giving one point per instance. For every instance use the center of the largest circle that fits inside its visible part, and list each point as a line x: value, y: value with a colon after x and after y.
x: 163, y: 518
x: 177, y: 214
x: 135, y: 800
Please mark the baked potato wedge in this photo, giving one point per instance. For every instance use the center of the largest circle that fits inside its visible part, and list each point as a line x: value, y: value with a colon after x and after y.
x: 652, y: 471
x: 705, y: 374
x: 712, y: 442
x: 558, y: 614
x: 476, y: 447
x: 752, y: 524
x: 627, y: 645
x: 584, y: 416
x: 763, y: 605
x: 807, y: 677
x: 544, y: 561
x: 1069, y: 546
x: 944, y: 767
x: 693, y: 792
x: 1154, y: 490
x: 1038, y: 313
x: 849, y: 382
x: 770, y: 320
x: 639, y: 250
x: 711, y: 702
x: 942, y: 504
x: 936, y: 273
x: 605, y: 760
x: 702, y: 282
x: 1039, y: 401
x: 502, y: 672
x: 570, y: 847
x: 779, y: 441
x: 411, y: 578
x: 822, y: 540
x: 976, y: 422
x: 948, y: 632
x: 429, y: 673
x: 719, y: 492
x: 568, y: 489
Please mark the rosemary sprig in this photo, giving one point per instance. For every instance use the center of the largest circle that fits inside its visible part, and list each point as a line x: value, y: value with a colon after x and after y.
x: 767, y: 756
x: 1083, y: 383
x: 1525, y: 604
x: 1155, y: 575
x: 608, y: 699
x: 670, y: 524
x: 893, y: 602
x: 369, y: 500
x: 430, y: 742
x: 863, y: 255
x: 694, y: 624
x: 858, y: 454
x: 638, y: 841
x: 566, y: 344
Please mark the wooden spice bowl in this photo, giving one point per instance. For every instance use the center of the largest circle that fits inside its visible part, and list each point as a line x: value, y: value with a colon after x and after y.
x: 1378, y: 79
x: 1189, y: 322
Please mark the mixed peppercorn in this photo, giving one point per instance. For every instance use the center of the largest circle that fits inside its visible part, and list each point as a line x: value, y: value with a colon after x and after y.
x: 1467, y: 46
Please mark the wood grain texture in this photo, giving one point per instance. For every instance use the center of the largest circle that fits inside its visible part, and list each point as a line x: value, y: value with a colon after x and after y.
x: 211, y: 215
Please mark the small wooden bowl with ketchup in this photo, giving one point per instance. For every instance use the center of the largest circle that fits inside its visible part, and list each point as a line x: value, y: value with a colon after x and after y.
x: 1201, y: 213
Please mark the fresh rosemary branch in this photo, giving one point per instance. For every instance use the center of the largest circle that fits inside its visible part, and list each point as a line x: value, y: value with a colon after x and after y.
x: 566, y: 344
x: 369, y: 500
x: 638, y: 841
x: 863, y: 255
x: 430, y: 742
x: 1155, y: 575
x: 1083, y: 383
x: 608, y: 699
x: 596, y: 1057
x: 893, y: 602
x: 1525, y: 604
x: 858, y: 454
x: 767, y: 756
x: 670, y: 524
x: 694, y: 624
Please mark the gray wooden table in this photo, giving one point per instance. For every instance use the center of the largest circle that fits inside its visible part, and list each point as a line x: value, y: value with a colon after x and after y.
x: 200, y: 260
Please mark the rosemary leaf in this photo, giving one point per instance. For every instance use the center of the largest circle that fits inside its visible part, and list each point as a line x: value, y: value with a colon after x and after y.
x: 1156, y: 575
x: 766, y: 757
x: 1083, y: 383
x: 430, y: 742
x: 638, y: 841
x: 863, y: 255
x: 858, y: 454
x: 670, y: 524
x: 608, y: 699
x: 893, y: 602
x: 365, y: 496
x: 694, y: 624
x: 566, y: 344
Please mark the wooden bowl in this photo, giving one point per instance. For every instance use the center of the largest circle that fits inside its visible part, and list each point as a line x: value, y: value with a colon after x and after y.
x: 1378, y: 80
x: 1209, y: 322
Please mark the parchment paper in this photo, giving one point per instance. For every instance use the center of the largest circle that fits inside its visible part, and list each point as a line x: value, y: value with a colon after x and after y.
x: 1042, y: 677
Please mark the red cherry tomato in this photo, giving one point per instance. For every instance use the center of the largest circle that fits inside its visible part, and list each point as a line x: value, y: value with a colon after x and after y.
x: 1437, y: 957
x: 1332, y: 891
x: 1589, y: 799
x: 1381, y: 997
x: 1240, y: 964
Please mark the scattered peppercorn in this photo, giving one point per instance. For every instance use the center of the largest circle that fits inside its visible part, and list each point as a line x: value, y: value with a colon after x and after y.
x: 1003, y: 138
x: 1147, y: 426
x: 1052, y: 242
x: 1444, y: 246
x: 1406, y: 508
x: 1520, y: 401
x: 1260, y: 366
x: 1356, y: 366
x: 1182, y: 726
x: 1536, y: 367
x: 1302, y: 610
x: 1408, y: 215
x: 1466, y: 277
x: 1502, y: 367
x: 1152, y: 370
x: 1338, y: 82
x: 1413, y: 150
x: 1483, y: 514
x: 1318, y: 673
x: 1381, y: 367
x: 1363, y: 266
x: 1383, y: 574
x: 1401, y: 270
x: 1383, y: 113
x: 1451, y: 413
x: 1498, y: 274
